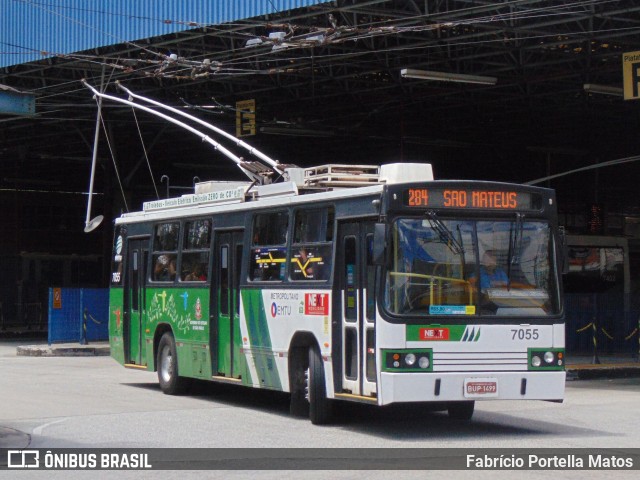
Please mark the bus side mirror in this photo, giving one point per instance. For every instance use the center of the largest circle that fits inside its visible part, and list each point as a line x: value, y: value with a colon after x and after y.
x: 379, y: 243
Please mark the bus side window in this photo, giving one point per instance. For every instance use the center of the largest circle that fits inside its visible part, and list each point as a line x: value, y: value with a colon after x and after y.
x: 195, y: 251
x: 223, y: 281
x: 269, y: 249
x: 311, y: 251
x: 165, y: 252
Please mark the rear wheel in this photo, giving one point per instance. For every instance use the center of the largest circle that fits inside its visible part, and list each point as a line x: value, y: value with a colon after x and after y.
x: 320, y: 407
x: 461, y: 410
x: 170, y: 381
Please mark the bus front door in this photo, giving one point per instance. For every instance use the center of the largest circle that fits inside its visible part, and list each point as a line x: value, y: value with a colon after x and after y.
x: 135, y: 300
x: 355, y: 308
x: 226, y: 319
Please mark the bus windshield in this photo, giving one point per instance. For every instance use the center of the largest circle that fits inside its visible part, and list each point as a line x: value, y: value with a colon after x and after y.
x: 471, y: 267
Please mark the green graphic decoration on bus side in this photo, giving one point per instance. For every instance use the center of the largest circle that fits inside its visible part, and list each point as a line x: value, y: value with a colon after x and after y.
x: 115, y: 324
x: 184, y: 309
x: 260, y: 339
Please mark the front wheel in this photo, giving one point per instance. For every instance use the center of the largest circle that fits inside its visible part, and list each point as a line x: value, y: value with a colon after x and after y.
x: 320, y: 407
x: 170, y: 382
x: 461, y: 410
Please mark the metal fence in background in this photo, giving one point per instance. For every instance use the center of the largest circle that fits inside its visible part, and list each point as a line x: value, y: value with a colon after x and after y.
x: 78, y: 314
x: 602, y: 324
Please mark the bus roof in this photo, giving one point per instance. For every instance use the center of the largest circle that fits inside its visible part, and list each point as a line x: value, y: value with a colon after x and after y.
x: 325, y: 182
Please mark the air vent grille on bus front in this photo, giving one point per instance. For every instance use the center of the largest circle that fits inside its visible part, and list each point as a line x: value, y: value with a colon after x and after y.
x: 479, y: 361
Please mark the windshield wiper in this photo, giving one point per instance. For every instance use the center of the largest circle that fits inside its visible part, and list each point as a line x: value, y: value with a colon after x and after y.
x: 515, y: 245
x: 446, y: 235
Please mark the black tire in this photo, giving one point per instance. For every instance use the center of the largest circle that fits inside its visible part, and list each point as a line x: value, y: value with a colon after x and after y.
x: 461, y: 410
x: 298, y: 364
x: 167, y: 365
x: 320, y: 407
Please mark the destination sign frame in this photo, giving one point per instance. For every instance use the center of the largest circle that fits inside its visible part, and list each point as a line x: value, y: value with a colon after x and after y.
x: 459, y: 197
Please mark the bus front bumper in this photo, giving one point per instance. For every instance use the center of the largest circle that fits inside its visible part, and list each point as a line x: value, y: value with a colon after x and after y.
x: 459, y: 386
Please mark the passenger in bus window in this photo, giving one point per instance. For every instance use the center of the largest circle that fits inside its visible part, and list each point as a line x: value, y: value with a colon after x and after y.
x: 311, y: 259
x: 302, y: 269
x: 165, y: 268
x: 308, y: 264
x: 272, y: 272
x: 198, y: 274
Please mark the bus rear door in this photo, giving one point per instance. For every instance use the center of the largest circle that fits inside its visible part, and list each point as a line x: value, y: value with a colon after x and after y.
x: 226, y: 315
x: 134, y: 300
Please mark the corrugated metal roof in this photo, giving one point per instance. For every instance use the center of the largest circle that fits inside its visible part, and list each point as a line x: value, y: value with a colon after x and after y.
x: 33, y: 29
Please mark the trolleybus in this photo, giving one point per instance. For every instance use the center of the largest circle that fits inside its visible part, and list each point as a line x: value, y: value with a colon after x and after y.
x: 355, y: 284
x: 351, y: 283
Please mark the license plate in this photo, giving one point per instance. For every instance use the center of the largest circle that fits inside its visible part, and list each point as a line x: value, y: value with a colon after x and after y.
x: 480, y: 387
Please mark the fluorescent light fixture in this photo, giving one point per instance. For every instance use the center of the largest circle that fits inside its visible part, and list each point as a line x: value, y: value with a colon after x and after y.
x: 603, y: 89
x: 296, y: 132
x: 447, y: 77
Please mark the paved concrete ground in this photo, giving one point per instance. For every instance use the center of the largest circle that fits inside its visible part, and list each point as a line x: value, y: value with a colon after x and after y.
x: 63, y: 350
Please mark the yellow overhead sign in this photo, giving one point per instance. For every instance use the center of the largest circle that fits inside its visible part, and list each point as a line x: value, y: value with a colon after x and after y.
x: 245, y: 118
x: 631, y: 75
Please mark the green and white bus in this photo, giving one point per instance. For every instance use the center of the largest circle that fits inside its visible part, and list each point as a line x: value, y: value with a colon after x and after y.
x: 363, y: 284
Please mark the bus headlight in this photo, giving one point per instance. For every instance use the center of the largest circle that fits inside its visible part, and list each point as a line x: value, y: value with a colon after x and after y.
x: 410, y: 359
x: 423, y: 362
x: 407, y: 360
x: 546, y: 359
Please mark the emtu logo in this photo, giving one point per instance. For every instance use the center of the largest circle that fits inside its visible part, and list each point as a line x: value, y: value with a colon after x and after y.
x: 280, y: 310
x: 23, y: 459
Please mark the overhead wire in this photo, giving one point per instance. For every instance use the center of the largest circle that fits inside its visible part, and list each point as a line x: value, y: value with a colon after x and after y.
x: 227, y: 70
x: 608, y: 163
x: 113, y: 157
x: 339, y: 56
x: 506, y: 16
x: 144, y: 149
x: 510, y: 15
x: 232, y: 66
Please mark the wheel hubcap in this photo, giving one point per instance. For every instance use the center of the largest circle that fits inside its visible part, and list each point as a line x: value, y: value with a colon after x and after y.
x: 166, y: 366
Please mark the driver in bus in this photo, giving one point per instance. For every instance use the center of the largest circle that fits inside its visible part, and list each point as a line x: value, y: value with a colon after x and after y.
x: 491, y: 275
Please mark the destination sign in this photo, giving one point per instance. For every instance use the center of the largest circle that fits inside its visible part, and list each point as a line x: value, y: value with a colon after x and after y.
x: 470, y: 198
